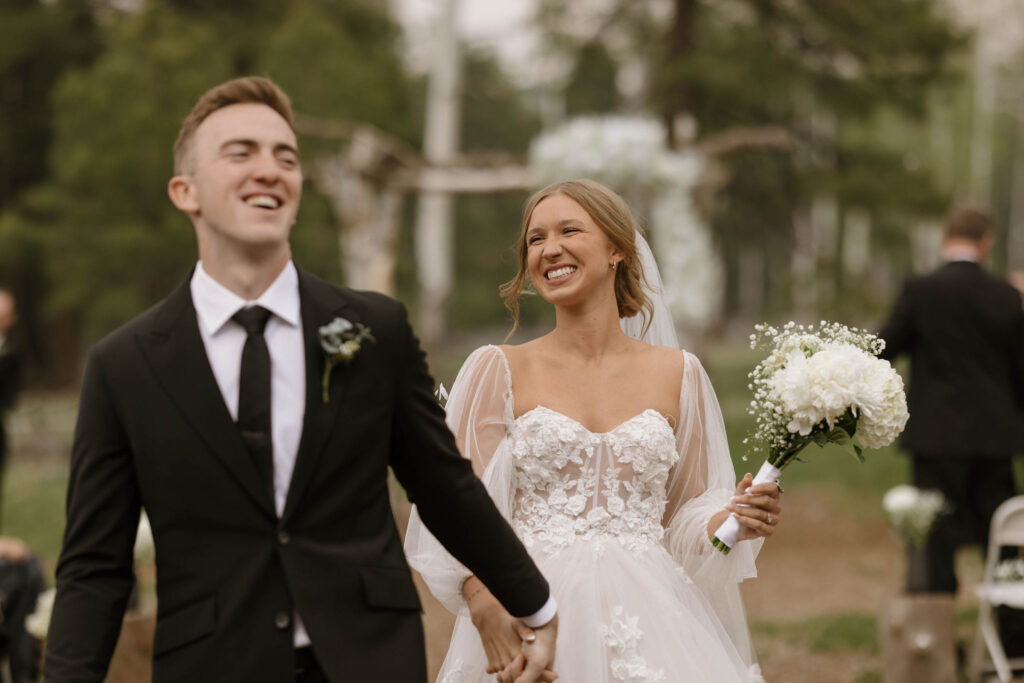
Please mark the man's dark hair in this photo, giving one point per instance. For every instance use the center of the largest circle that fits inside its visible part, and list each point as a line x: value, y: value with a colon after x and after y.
x: 970, y: 223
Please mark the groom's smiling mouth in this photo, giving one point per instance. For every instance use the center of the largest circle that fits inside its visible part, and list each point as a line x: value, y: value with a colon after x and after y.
x: 263, y: 201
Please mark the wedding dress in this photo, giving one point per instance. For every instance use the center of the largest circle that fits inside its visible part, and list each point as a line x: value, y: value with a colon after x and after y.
x: 617, y: 522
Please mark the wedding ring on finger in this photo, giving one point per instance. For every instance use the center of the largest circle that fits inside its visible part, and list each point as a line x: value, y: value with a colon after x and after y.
x: 771, y: 520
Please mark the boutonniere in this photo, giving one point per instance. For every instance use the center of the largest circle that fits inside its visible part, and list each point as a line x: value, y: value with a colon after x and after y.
x: 341, y: 340
x: 441, y: 394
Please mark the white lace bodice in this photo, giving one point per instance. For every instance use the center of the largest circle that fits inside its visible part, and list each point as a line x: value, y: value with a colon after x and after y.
x: 572, y: 483
x: 638, y: 485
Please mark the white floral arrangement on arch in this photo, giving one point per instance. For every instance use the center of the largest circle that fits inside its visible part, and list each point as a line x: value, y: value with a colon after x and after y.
x: 818, y: 386
x: 625, y: 152
x: 912, y: 512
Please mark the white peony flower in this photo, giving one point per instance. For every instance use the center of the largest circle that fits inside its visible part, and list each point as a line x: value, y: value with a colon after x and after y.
x: 813, y: 378
x: 821, y: 387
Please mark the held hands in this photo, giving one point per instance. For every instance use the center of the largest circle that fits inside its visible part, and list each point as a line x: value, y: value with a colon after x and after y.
x: 756, y: 508
x: 535, y: 661
x: 515, y: 652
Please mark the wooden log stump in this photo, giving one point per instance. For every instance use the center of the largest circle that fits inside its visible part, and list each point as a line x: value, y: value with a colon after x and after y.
x: 918, y: 639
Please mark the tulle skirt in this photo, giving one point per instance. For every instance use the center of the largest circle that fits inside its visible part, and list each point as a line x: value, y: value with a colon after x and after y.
x: 624, y: 614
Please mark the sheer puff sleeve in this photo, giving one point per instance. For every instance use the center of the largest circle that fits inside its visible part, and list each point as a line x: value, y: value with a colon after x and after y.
x: 479, y: 413
x: 701, y: 484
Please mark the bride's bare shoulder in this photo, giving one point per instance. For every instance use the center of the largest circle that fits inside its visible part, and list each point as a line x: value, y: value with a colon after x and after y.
x: 520, y: 355
x: 525, y: 349
x: 665, y: 357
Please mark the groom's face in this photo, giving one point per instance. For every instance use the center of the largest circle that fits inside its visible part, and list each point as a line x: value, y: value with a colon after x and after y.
x: 243, y: 182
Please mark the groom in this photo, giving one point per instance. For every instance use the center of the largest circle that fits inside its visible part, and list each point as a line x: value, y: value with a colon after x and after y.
x: 262, y: 466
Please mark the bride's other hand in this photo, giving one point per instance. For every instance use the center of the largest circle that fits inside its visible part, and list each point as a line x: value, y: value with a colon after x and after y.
x: 756, y: 508
x: 501, y: 634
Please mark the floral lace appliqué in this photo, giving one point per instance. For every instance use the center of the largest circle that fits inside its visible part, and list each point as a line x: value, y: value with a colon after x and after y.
x: 622, y: 638
x: 572, y: 483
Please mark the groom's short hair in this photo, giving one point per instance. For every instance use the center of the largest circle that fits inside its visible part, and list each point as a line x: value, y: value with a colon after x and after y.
x: 245, y: 90
x: 970, y: 223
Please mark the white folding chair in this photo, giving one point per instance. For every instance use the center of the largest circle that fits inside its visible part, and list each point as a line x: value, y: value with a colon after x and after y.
x: 1007, y: 529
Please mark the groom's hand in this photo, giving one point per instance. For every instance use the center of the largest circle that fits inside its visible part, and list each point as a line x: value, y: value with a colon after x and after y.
x: 537, y: 659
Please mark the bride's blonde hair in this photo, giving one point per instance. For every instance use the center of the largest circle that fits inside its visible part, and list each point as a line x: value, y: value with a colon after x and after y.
x: 612, y: 215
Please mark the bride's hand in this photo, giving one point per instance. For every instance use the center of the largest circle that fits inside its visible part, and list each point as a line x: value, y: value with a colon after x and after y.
x: 756, y: 508
x: 502, y: 634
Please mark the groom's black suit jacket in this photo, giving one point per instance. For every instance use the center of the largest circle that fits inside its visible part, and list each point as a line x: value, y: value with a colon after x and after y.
x: 153, y: 431
x: 964, y: 331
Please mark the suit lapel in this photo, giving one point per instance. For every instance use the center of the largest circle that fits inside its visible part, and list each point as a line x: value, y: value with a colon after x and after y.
x: 174, y: 350
x: 320, y: 303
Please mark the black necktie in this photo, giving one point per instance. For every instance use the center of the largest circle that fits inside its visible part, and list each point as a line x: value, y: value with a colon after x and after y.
x: 254, y: 390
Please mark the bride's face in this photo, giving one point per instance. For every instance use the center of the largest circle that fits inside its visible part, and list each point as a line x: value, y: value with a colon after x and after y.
x: 569, y: 257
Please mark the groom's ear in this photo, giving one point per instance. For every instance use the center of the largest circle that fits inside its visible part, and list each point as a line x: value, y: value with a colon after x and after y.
x: 182, y: 192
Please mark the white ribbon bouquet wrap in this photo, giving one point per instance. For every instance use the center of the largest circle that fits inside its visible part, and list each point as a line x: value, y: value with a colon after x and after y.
x: 816, y: 387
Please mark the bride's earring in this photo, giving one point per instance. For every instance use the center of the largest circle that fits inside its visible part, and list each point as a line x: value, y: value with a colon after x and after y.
x: 611, y: 266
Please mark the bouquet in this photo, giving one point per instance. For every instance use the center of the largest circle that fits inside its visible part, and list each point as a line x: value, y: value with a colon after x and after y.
x: 816, y: 387
x: 912, y: 512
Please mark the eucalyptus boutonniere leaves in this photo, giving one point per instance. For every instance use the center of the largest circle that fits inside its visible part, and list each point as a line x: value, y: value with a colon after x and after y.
x: 341, y: 340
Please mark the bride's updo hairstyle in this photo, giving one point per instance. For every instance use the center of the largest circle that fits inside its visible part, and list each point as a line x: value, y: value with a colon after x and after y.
x: 611, y: 214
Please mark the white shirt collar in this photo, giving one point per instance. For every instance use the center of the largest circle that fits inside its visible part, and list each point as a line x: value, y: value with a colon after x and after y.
x: 215, y: 303
x: 960, y: 254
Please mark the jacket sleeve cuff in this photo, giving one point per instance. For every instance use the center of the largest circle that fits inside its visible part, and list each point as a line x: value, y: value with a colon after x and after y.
x: 543, y: 615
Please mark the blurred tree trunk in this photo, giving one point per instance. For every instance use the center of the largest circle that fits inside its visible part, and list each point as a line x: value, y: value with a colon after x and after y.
x: 678, y: 93
x: 1015, y: 227
x: 434, y: 245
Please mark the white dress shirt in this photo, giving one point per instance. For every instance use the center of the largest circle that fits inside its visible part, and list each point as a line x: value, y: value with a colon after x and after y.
x: 224, y: 339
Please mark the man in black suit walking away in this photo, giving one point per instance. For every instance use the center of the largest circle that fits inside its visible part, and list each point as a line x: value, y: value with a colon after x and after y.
x: 254, y: 414
x: 963, y: 329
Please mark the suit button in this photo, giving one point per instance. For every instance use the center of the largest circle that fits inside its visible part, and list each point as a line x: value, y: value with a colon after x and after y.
x: 282, y: 620
x: 283, y: 537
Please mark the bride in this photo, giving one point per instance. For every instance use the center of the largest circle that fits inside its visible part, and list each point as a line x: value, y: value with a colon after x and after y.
x: 604, y: 446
